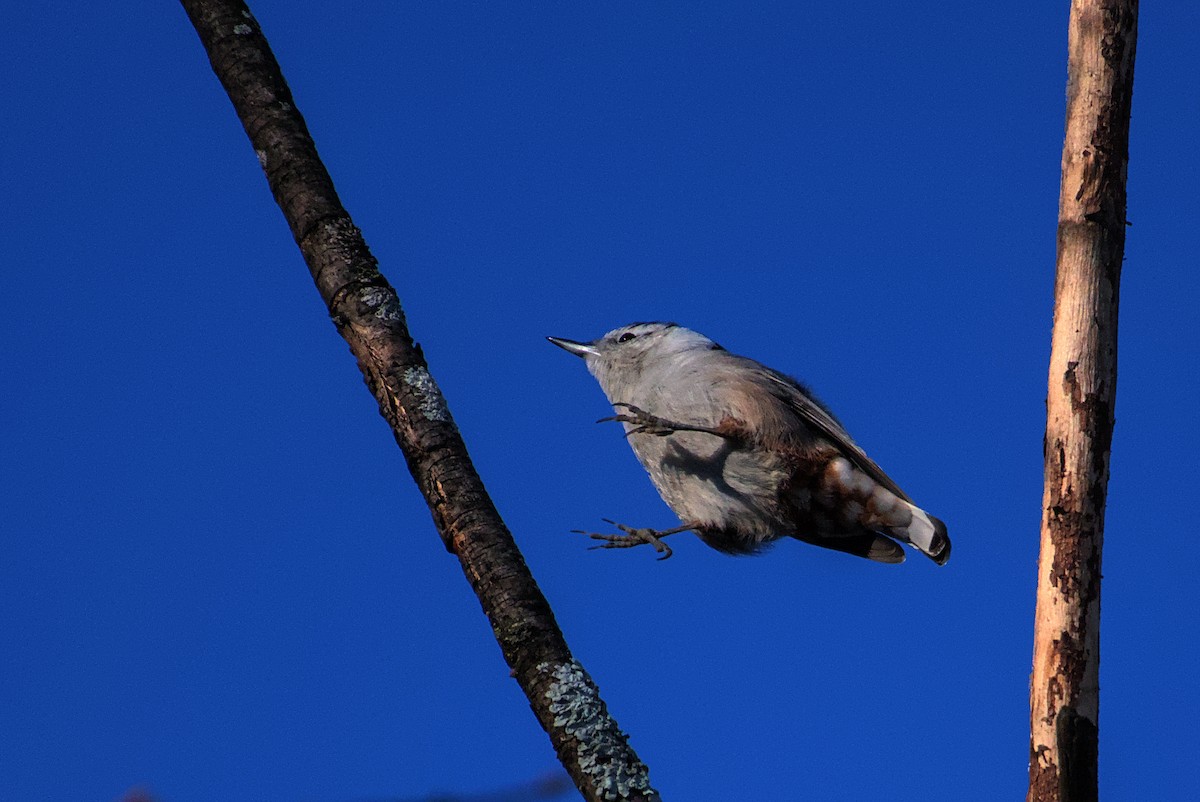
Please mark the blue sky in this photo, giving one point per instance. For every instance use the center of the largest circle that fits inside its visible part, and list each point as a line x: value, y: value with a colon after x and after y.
x: 219, y: 581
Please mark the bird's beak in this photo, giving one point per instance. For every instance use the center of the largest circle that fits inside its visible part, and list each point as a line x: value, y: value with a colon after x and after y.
x: 578, y: 349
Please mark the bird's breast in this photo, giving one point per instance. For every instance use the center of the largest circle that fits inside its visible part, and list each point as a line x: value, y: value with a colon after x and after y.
x: 715, y: 481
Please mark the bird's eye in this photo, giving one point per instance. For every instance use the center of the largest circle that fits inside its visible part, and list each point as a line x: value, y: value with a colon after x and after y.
x: 626, y: 337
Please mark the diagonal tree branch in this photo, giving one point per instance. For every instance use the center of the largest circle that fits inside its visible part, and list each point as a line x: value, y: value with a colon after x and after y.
x: 1065, y: 687
x: 367, y: 313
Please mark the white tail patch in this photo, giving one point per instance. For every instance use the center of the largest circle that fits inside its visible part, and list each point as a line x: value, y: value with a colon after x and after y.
x: 921, y: 531
x: 929, y: 535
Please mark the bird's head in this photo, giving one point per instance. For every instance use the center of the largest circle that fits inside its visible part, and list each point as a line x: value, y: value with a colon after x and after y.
x: 625, y: 354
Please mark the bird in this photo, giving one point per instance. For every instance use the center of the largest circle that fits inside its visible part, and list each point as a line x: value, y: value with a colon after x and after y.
x: 745, y: 455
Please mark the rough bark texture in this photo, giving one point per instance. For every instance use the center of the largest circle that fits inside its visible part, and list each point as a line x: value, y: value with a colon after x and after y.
x: 1065, y: 691
x: 367, y: 313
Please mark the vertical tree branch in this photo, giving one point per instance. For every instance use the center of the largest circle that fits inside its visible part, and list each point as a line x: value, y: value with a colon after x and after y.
x: 366, y: 312
x: 1065, y: 692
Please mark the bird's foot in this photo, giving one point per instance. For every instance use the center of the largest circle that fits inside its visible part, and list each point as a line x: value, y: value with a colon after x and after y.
x: 634, y: 537
x: 645, y: 423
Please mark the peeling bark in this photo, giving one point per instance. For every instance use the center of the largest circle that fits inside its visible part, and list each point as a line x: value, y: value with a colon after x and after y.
x: 1065, y: 692
x: 367, y: 313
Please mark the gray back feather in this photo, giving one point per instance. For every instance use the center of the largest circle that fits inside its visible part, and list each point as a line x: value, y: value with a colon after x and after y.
x: 800, y: 401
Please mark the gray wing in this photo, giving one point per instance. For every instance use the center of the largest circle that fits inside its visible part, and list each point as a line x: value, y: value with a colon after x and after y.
x: 813, y: 412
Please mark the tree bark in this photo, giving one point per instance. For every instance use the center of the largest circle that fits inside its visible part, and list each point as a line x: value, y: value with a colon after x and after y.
x: 367, y: 313
x: 1065, y: 690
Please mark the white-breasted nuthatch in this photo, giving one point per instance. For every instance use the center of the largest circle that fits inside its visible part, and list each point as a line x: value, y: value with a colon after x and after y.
x: 745, y: 455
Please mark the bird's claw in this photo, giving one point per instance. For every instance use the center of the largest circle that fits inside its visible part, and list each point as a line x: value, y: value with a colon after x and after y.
x: 632, y: 537
x: 643, y: 422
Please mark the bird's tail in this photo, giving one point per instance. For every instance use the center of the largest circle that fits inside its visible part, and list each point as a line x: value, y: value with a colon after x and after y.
x: 857, y: 499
